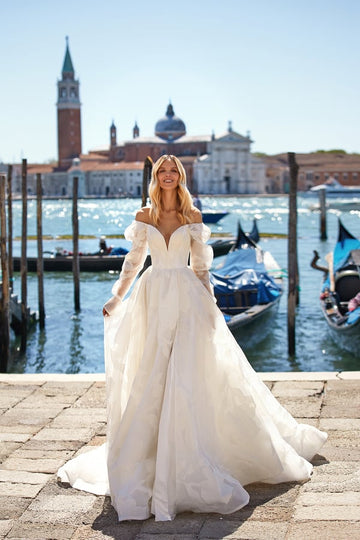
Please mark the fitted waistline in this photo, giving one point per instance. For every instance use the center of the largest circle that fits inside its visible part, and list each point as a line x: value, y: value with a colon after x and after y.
x: 162, y: 268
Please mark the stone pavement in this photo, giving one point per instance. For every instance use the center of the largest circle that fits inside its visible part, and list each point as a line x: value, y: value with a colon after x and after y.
x: 47, y: 419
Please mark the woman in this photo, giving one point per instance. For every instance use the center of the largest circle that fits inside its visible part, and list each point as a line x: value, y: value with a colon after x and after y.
x: 189, y: 421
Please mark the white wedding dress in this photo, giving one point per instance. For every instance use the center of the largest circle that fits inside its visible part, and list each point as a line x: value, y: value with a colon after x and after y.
x: 189, y: 421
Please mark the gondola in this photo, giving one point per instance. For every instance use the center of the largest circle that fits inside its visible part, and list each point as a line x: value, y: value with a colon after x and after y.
x: 222, y: 246
x: 213, y: 216
x: 106, y: 259
x: 63, y: 263
x: 248, y: 289
x: 340, y: 291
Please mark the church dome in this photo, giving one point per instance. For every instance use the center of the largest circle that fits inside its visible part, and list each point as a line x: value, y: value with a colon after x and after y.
x: 170, y: 127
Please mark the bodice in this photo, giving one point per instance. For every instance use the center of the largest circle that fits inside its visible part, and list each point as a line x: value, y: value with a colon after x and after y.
x: 187, y: 239
x: 173, y: 255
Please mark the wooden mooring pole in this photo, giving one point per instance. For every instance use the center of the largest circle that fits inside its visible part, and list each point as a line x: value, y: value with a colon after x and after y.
x: 40, y: 260
x: 148, y: 163
x: 10, y: 227
x: 5, y: 293
x: 76, y: 262
x: 23, y: 263
x: 322, y: 204
x: 293, y: 271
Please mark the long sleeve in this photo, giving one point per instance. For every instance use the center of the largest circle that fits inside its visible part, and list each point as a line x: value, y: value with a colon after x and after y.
x: 201, y: 254
x: 133, y: 262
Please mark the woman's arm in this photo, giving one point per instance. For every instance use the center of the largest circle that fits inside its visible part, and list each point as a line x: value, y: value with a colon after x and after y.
x: 201, y: 254
x: 132, y: 264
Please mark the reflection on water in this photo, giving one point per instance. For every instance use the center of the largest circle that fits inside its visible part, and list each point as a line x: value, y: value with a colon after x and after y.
x: 76, y: 350
x: 73, y: 343
x: 40, y: 356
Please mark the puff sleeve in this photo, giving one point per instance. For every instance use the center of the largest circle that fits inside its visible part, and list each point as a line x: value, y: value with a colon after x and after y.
x: 133, y: 262
x: 201, y: 254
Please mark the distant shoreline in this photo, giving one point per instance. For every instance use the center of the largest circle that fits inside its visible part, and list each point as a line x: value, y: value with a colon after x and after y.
x: 202, y: 195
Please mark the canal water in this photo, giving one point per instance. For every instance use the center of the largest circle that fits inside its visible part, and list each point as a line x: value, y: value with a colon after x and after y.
x: 73, y: 342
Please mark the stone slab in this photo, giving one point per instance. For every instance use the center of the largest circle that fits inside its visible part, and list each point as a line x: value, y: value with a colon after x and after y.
x: 59, y: 507
x: 175, y: 536
x: 255, y: 530
x: 346, y: 439
x: 10, y: 489
x: 40, y: 378
x: 13, y: 507
x: 349, y: 375
x: 324, y: 530
x: 95, y: 397
x: 340, y: 453
x: 7, y: 447
x: 5, y: 526
x: 340, y: 424
x: 14, y: 437
x: 52, y: 445
x: 69, y: 434
x: 45, y: 465
x: 186, y: 523
x: 305, y: 408
x: 350, y: 498
x: 79, y: 416
x: 117, y: 531
x: 23, y: 477
x: 23, y: 416
x: 327, y: 513
x: 35, y: 531
x: 28, y: 453
x: 346, y: 408
x: 299, y: 375
x: 330, y: 498
x: 300, y: 389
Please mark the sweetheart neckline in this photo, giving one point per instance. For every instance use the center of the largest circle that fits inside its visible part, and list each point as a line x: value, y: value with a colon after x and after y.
x: 171, y: 235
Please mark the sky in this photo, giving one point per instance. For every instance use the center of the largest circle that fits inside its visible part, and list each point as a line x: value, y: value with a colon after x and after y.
x: 287, y: 71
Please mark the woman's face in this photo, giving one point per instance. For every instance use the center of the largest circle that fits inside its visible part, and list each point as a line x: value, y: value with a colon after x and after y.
x: 168, y: 176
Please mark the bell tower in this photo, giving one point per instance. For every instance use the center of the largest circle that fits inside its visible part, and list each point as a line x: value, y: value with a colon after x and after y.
x: 68, y: 114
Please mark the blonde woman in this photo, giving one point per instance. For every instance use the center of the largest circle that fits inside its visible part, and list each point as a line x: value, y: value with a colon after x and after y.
x: 189, y: 421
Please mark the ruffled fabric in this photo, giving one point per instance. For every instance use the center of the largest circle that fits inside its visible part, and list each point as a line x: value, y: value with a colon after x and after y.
x: 134, y: 260
x: 201, y: 254
x: 189, y: 421
x: 133, y: 263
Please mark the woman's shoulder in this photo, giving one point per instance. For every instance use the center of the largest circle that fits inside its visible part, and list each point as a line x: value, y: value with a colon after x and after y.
x: 143, y: 215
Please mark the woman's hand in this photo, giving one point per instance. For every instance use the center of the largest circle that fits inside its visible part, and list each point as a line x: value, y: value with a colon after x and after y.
x: 110, y: 305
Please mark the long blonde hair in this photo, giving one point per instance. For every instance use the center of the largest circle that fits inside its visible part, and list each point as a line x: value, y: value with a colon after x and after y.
x: 184, y: 199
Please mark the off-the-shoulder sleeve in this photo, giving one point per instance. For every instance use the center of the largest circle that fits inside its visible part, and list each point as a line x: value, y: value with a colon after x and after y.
x: 201, y: 254
x: 133, y: 262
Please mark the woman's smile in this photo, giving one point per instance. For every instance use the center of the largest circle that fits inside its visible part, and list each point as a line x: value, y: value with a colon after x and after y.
x: 168, y: 174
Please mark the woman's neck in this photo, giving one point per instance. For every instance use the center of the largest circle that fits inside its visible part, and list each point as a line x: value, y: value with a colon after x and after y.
x: 169, y: 201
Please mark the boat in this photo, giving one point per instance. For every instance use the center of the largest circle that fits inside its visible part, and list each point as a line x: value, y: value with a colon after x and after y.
x: 333, y: 188
x: 107, y: 258
x: 213, y: 216
x: 340, y: 291
x: 248, y: 288
x: 222, y: 246
x: 63, y: 263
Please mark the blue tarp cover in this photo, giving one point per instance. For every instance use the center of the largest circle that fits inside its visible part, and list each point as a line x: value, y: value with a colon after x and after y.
x: 240, y: 272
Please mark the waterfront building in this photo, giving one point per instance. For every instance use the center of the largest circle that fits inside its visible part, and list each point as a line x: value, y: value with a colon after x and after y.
x: 228, y: 166
x: 68, y: 114
x: 215, y: 164
x: 314, y: 168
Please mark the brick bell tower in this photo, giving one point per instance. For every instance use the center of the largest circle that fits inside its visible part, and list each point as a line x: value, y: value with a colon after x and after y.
x: 68, y: 114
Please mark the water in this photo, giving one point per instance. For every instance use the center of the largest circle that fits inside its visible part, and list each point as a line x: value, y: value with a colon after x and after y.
x: 73, y: 342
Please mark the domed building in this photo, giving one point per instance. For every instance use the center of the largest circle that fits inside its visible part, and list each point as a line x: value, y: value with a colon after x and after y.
x: 214, y: 164
x: 170, y: 127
